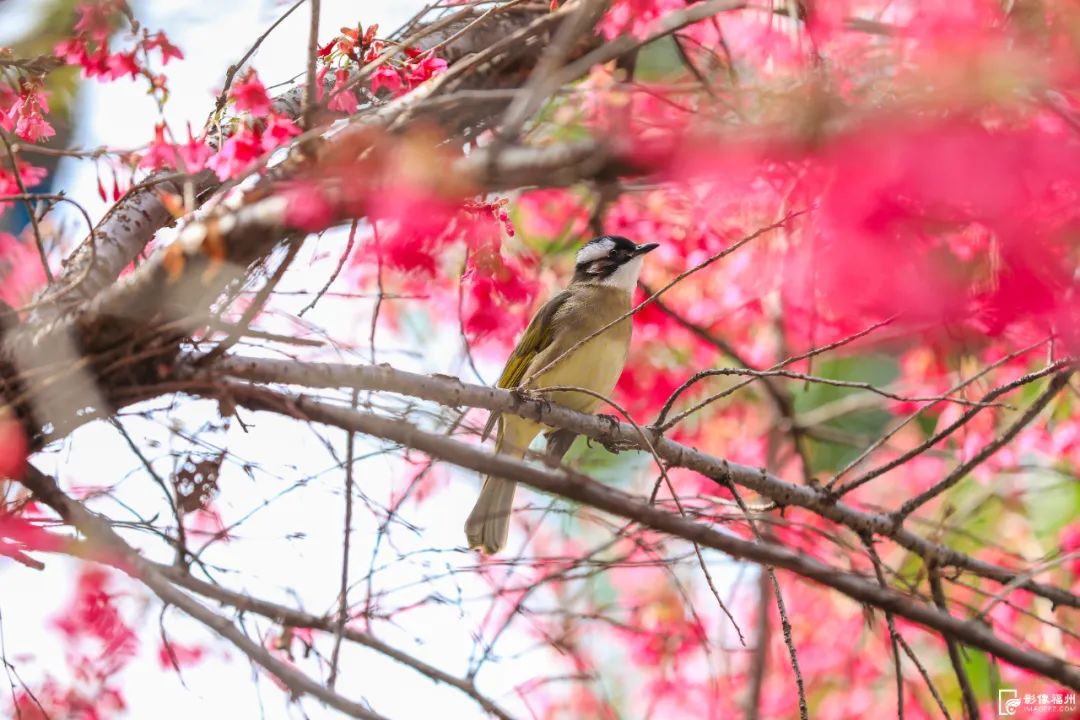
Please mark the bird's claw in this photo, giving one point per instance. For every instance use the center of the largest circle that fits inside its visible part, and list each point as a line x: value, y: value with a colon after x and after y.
x: 610, y: 444
x: 617, y: 446
x: 522, y: 394
x: 611, y: 420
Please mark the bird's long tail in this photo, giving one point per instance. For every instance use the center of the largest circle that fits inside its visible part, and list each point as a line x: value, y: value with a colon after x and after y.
x: 488, y: 524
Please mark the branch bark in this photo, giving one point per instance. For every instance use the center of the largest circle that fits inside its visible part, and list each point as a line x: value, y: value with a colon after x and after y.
x: 454, y: 393
x: 133, y: 221
x: 580, y: 488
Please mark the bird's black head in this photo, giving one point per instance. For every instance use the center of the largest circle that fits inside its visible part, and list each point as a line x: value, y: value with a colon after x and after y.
x: 612, y: 260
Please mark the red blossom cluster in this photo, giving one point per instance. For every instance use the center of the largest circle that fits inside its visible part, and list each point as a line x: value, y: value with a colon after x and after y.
x: 23, y: 107
x: 23, y: 113
x: 356, y: 48
x: 258, y: 131
x: 637, y: 17
x: 411, y: 236
x: 90, y: 47
x: 100, y: 642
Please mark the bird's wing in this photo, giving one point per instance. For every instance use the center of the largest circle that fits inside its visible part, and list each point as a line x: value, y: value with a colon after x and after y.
x: 538, y: 335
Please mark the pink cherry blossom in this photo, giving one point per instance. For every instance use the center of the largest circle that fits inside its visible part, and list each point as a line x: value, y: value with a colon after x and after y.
x: 638, y: 17
x: 427, y: 68
x: 389, y: 78
x: 278, y: 131
x: 160, y: 153
x: 342, y: 99
x: 123, y: 63
x: 238, y: 152
x: 250, y: 96
x: 194, y: 153
x: 159, y: 41
x: 26, y: 116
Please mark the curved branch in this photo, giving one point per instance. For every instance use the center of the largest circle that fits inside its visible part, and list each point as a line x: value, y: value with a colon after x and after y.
x: 454, y: 393
x: 132, y: 222
x: 99, y: 532
x: 300, y: 619
x: 574, y: 486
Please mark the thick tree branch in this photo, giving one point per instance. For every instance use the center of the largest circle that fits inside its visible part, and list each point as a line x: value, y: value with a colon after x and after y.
x: 580, y: 488
x: 454, y: 393
x: 132, y: 222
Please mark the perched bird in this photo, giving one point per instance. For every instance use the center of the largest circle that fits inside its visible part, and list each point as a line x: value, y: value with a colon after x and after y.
x: 606, y: 272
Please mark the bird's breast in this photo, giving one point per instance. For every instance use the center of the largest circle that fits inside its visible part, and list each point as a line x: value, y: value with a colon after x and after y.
x: 598, y: 363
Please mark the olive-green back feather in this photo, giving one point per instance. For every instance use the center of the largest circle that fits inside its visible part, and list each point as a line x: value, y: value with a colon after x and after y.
x: 538, y: 335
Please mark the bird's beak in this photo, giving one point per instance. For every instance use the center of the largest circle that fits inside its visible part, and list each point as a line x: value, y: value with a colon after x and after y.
x: 645, y: 248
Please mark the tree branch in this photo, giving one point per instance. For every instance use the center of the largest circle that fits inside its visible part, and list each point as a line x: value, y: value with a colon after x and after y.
x: 575, y: 486
x: 299, y: 619
x: 454, y: 393
x: 100, y: 533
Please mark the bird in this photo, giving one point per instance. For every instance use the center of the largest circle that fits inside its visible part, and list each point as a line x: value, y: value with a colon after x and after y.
x: 605, y: 274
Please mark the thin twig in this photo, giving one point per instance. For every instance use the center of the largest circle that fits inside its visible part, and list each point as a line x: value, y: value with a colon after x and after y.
x: 905, y: 421
x: 813, y: 352
x: 1052, y: 389
x: 856, y: 385
x: 230, y: 74
x: 894, y: 636
x: 379, y: 287
x: 785, y: 624
x: 42, y: 255
x: 256, y: 305
x: 181, y: 541
x: 337, y: 271
x: 343, y: 602
x: 945, y: 432
x: 1020, y: 579
x: 971, y: 707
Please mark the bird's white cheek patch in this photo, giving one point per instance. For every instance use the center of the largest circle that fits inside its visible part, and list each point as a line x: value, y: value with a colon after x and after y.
x: 626, y: 276
x: 594, y: 251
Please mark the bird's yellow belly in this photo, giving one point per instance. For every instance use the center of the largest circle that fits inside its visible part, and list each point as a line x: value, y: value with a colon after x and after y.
x: 595, y: 366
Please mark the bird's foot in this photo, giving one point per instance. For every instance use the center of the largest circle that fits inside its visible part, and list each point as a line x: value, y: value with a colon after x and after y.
x: 610, y: 419
x: 526, y: 395
x: 609, y: 442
